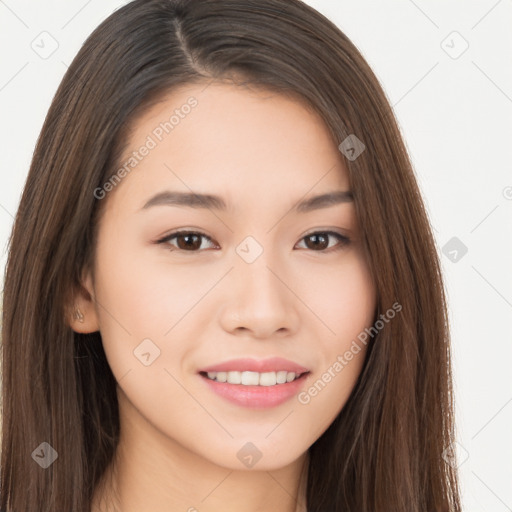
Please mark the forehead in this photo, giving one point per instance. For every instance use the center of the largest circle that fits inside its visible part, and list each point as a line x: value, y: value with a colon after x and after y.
x: 232, y: 139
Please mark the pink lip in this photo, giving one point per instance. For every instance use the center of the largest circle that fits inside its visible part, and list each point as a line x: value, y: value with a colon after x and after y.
x: 256, y: 397
x: 273, y: 364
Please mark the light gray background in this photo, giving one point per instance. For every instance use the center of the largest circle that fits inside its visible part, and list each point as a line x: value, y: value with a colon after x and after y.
x: 455, y: 111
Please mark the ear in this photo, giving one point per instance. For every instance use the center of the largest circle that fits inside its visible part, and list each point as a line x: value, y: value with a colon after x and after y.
x: 82, y: 315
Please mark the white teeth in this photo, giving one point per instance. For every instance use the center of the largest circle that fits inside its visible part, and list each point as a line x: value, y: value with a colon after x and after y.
x: 268, y: 379
x: 281, y: 377
x: 254, y: 378
x: 235, y: 377
x: 250, y: 378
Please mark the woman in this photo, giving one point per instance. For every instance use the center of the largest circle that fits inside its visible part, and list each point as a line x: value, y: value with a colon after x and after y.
x: 222, y: 289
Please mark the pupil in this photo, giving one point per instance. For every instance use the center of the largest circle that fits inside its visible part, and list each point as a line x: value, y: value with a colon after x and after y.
x: 317, y: 238
x: 188, y: 243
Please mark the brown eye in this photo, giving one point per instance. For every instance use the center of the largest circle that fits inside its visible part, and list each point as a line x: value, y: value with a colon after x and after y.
x: 319, y: 241
x: 190, y: 241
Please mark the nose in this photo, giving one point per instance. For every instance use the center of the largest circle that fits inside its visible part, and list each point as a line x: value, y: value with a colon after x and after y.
x: 259, y: 300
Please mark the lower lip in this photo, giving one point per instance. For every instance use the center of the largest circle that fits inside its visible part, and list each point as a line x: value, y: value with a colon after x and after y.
x: 256, y: 397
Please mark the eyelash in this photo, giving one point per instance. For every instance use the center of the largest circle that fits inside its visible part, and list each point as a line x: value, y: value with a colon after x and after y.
x: 344, y: 241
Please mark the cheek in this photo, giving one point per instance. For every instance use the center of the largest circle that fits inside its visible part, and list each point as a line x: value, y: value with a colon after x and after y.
x: 128, y: 304
x: 346, y: 306
x: 146, y: 296
x: 143, y: 295
x: 342, y: 296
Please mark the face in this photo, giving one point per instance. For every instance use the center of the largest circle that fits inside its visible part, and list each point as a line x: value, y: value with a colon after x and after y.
x: 227, y: 339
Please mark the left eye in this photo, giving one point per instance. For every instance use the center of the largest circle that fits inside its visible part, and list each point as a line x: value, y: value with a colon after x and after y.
x: 190, y: 241
x: 319, y: 239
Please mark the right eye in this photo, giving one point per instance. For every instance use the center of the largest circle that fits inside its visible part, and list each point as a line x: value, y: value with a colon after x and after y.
x: 188, y: 241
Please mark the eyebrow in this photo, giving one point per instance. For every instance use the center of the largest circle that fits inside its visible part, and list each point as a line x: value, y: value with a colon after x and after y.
x: 209, y: 201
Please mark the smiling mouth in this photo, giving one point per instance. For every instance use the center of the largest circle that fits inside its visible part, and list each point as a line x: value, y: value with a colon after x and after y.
x: 248, y: 378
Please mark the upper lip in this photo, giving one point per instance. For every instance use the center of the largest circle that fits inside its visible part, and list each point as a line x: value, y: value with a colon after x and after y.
x: 273, y: 364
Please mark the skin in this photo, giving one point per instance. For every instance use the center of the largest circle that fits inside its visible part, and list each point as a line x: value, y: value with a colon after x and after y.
x: 262, y: 152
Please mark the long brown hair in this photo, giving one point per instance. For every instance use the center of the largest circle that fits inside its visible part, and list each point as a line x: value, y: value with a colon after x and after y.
x: 385, y: 449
